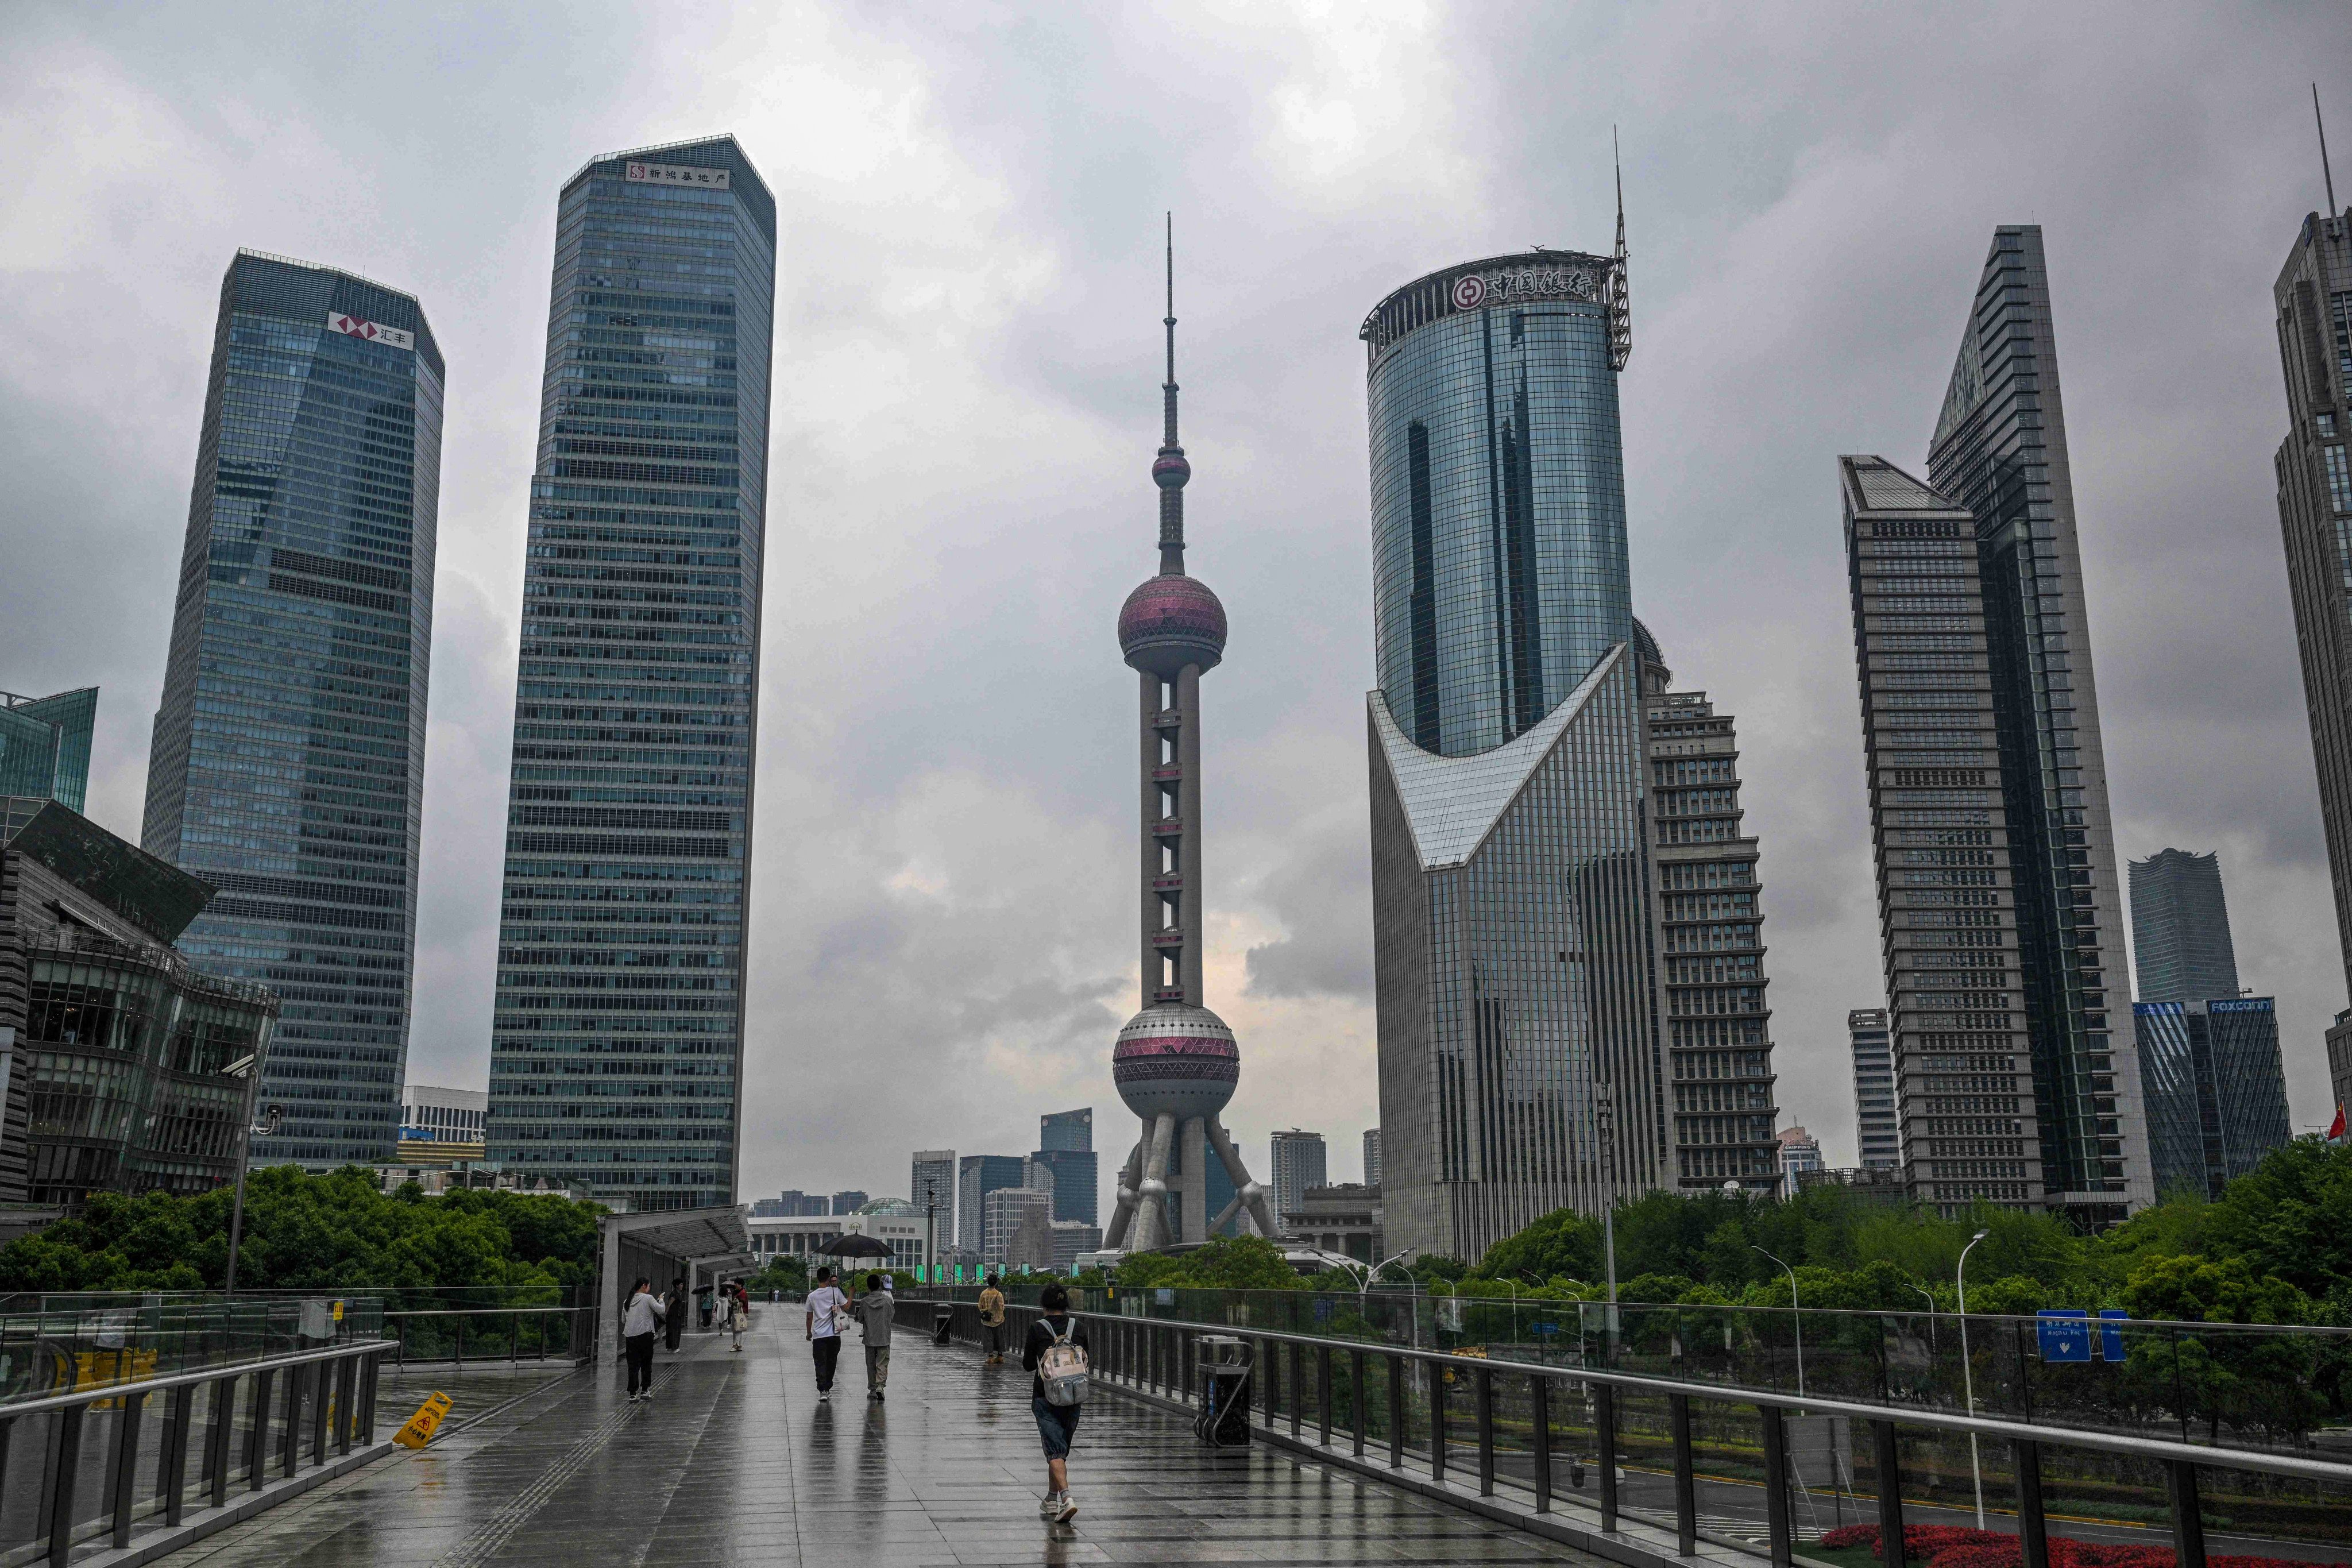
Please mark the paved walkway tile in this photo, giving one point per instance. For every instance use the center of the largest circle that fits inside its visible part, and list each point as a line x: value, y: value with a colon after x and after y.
x: 735, y: 1461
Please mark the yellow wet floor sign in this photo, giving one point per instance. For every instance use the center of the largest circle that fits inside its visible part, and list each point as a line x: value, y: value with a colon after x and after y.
x: 425, y: 1422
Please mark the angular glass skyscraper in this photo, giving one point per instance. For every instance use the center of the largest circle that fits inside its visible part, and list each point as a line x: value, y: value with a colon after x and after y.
x: 2181, y: 928
x: 616, y: 1048
x: 1999, y: 450
x: 2312, y: 306
x: 2216, y: 1089
x: 45, y: 745
x: 288, y: 768
x: 1520, y: 1065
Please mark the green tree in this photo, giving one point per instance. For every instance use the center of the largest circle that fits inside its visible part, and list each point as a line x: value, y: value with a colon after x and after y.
x: 1562, y: 1242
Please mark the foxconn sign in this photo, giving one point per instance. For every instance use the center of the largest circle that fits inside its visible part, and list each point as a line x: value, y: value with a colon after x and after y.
x: 359, y: 327
x: 675, y: 174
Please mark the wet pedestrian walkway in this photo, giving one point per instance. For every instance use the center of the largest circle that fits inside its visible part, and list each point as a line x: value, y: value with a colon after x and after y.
x: 735, y: 1461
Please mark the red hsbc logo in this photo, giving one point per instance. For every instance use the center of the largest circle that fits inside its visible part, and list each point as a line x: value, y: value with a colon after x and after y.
x: 359, y: 327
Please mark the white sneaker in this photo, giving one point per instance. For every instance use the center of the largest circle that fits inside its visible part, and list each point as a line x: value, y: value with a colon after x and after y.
x: 647, y: 1396
x: 1048, y: 1506
x: 824, y: 1396
x: 1070, y: 1510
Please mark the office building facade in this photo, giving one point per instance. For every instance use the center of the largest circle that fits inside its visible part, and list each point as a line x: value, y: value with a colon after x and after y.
x: 287, y: 762
x: 1999, y: 451
x: 1371, y: 1156
x: 1520, y: 1057
x: 1076, y: 1184
x: 1003, y: 1213
x: 442, y: 1115
x: 2215, y: 1090
x: 1710, y: 910
x: 1070, y: 1131
x: 44, y: 746
x: 1964, y: 1085
x: 1878, y: 1132
x: 2313, y: 302
x: 1299, y: 1161
x: 115, y: 1052
x: 617, y: 1044
x: 932, y: 1188
x: 1799, y: 1153
x: 2180, y: 929
x: 977, y: 1175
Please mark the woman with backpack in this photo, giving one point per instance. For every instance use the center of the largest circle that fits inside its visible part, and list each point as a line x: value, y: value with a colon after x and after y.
x: 1056, y: 1352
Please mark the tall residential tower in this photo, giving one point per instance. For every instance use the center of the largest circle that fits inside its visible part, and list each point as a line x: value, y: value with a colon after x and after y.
x: 288, y: 767
x: 1521, y: 1068
x: 2313, y: 302
x: 1999, y: 451
x: 616, y: 1045
x: 1711, y: 940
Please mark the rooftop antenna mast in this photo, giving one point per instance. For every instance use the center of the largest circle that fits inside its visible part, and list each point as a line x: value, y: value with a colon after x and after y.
x: 2325, y: 172
x: 1620, y: 308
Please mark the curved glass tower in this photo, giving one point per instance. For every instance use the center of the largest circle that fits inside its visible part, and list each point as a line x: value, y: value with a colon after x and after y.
x: 1498, y: 493
x: 1521, y: 1068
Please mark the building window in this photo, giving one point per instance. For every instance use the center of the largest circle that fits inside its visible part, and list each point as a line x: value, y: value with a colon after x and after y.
x: 2339, y: 478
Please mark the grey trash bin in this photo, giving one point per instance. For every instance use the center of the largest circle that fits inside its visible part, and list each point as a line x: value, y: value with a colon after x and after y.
x: 943, y: 1320
x: 1224, y: 1366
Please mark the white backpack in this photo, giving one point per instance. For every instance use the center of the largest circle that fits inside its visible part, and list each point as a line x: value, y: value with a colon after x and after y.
x: 1062, y: 1368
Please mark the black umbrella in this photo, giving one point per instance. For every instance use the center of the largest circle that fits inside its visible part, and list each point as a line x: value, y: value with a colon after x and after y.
x: 855, y: 1246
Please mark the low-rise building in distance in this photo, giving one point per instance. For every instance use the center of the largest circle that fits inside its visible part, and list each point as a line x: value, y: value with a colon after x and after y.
x: 1340, y: 1216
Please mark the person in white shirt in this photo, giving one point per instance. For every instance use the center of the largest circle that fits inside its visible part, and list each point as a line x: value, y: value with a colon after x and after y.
x: 639, y: 1323
x: 828, y: 1309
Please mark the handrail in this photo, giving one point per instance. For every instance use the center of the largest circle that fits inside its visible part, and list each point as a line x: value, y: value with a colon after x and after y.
x: 98, y: 1391
x: 479, y: 1311
x: 2159, y: 1448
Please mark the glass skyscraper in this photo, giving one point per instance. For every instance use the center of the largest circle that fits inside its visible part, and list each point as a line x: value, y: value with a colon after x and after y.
x: 616, y: 1047
x: 2312, y: 302
x: 2216, y: 1089
x: 45, y: 745
x: 2181, y: 928
x: 1877, y: 1133
x: 1999, y: 450
x: 288, y: 767
x: 1521, y: 1069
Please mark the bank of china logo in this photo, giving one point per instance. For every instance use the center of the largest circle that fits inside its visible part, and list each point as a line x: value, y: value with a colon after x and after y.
x: 1469, y: 293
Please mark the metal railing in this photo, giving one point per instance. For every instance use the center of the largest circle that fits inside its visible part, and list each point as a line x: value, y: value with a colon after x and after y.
x: 512, y: 1334
x: 67, y: 1344
x: 100, y: 1465
x: 1631, y: 1445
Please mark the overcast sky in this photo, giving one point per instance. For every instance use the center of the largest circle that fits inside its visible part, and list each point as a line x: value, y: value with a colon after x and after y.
x: 966, y: 405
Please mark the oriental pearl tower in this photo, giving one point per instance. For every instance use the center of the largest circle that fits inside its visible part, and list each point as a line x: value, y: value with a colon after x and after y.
x: 1176, y: 1063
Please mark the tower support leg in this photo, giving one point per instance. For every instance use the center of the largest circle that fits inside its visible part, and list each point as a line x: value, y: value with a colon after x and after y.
x: 1248, y: 1196
x: 1151, y: 1195
x: 1129, y: 1175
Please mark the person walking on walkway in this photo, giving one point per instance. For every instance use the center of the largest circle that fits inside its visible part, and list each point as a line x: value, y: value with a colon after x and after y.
x: 643, y: 1316
x: 827, y: 1307
x: 673, y: 1315
x: 874, y: 1309
x: 1051, y: 1338
x: 992, y: 1323
x: 739, y: 1314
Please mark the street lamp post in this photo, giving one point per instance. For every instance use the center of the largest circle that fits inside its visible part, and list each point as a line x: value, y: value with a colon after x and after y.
x: 1605, y: 1123
x: 1797, y: 1314
x: 931, y: 1229
x: 271, y: 1118
x: 1968, y: 1372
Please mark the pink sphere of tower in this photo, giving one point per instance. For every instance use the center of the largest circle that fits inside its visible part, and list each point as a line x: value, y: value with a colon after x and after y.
x: 1170, y: 621
x: 1176, y: 1059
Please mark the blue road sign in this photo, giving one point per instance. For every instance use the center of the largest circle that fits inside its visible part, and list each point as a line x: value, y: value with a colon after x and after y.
x: 2064, y: 1333
x: 2111, y: 1333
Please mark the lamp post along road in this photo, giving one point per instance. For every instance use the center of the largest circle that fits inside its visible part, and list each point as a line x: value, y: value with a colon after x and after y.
x: 1796, y: 1315
x: 1968, y: 1372
x: 248, y: 1069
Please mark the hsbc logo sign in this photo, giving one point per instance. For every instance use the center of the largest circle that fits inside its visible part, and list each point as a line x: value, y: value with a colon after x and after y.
x: 359, y: 327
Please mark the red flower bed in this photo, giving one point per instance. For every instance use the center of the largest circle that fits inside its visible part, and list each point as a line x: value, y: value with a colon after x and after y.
x: 1952, y: 1546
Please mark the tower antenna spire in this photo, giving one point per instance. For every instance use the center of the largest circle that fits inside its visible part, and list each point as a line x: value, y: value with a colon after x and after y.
x: 1617, y: 162
x: 1170, y: 470
x: 2326, y: 173
x: 1620, y: 307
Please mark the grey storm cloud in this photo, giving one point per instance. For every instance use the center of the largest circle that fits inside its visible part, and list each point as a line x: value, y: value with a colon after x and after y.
x: 966, y: 402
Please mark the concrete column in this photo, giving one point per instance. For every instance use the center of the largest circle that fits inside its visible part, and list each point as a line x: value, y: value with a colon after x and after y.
x: 1188, y: 757
x: 608, y: 1318
x: 1150, y: 905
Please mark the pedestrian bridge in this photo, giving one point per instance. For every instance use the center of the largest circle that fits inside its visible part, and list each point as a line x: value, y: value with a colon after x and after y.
x: 1361, y: 1451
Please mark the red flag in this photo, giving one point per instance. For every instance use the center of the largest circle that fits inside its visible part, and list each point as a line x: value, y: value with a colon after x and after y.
x: 2336, y: 1128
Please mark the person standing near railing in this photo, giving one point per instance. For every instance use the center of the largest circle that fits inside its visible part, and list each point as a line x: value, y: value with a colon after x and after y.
x: 673, y: 1315
x: 826, y: 1308
x: 992, y: 1323
x: 643, y: 1317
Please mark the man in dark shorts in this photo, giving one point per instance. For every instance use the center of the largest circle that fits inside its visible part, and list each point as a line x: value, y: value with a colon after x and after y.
x: 1056, y: 1424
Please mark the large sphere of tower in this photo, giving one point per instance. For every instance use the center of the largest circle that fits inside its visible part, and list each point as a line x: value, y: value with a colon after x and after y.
x: 1178, y: 1059
x: 1170, y: 621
